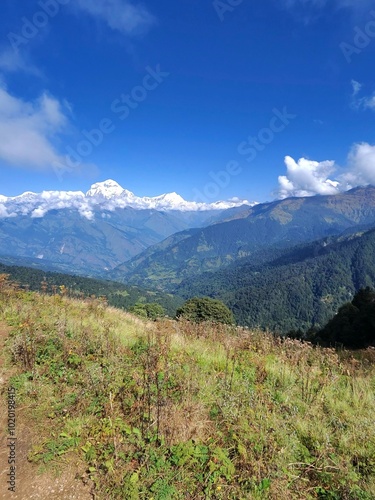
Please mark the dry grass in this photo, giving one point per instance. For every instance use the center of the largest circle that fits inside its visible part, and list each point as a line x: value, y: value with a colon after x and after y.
x: 175, y: 410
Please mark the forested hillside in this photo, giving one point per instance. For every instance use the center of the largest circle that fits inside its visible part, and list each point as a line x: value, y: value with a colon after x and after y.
x: 354, y: 324
x: 300, y: 288
x: 280, y: 224
x: 117, y: 294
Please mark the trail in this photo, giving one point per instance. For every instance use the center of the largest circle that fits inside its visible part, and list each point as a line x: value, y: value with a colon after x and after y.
x: 30, y: 484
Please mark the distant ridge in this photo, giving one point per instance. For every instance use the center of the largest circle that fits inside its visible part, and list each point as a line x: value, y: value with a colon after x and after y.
x: 107, y: 195
x: 279, y: 224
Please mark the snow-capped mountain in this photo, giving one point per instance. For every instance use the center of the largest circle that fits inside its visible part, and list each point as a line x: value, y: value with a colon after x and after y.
x: 102, y: 196
x: 95, y: 231
x: 107, y: 189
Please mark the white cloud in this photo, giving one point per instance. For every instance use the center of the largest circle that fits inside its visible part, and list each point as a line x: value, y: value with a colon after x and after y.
x: 356, y: 87
x: 361, y: 162
x: 12, y: 61
x: 120, y: 15
x: 365, y: 102
x: 102, y: 197
x: 369, y: 102
x: 3, y: 211
x: 27, y: 129
x: 38, y: 213
x: 307, y: 178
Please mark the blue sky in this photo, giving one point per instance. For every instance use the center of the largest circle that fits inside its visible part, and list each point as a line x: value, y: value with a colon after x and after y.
x: 213, y: 100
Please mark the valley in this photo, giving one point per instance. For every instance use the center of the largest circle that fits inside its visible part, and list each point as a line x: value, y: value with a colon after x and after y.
x: 187, y: 250
x: 285, y: 265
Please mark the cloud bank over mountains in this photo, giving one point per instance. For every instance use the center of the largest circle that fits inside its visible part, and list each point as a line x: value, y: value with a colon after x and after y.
x: 304, y: 177
x: 101, y: 197
x: 308, y: 178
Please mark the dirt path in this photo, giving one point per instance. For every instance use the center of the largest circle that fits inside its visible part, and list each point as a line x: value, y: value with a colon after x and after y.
x: 30, y: 485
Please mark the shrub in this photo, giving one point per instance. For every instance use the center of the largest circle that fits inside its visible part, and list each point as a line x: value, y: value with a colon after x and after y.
x: 201, y: 309
x: 151, y: 310
x: 354, y: 324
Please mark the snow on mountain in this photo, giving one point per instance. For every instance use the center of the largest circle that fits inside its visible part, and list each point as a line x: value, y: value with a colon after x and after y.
x: 102, y: 196
x: 107, y: 189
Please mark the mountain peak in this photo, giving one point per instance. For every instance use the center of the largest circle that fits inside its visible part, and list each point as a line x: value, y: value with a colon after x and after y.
x: 106, y: 189
x: 173, y: 198
x: 105, y: 195
x: 361, y: 189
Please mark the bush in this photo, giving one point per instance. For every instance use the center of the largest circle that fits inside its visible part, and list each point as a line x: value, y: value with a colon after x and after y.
x: 354, y: 324
x: 201, y: 309
x: 150, y: 311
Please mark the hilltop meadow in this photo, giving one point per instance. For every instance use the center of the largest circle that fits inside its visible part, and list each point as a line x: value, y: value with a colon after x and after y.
x: 176, y: 410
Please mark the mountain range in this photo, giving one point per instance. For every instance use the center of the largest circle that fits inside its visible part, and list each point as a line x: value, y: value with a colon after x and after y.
x: 295, y: 288
x: 253, y: 231
x: 94, y: 232
x: 103, y: 196
x: 286, y: 264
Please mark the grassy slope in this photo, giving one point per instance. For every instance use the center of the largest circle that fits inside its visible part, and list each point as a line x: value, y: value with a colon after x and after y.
x: 117, y: 294
x: 171, y: 410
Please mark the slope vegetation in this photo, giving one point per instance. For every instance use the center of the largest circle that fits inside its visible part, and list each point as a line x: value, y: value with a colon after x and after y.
x: 116, y: 294
x: 280, y: 224
x: 299, y: 288
x: 170, y: 410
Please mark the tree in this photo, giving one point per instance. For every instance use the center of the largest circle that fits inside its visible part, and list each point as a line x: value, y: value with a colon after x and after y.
x: 365, y: 297
x: 200, y: 309
x: 340, y: 329
x: 150, y: 311
x: 354, y: 324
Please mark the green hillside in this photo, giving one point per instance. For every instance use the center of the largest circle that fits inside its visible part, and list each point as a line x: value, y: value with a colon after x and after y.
x: 298, y: 288
x: 68, y: 242
x: 116, y: 294
x: 171, y: 410
x: 280, y: 224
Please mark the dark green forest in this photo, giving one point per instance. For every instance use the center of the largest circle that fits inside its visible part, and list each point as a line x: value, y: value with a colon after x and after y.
x: 354, y: 324
x: 286, y: 291
x: 299, y: 289
x: 117, y: 294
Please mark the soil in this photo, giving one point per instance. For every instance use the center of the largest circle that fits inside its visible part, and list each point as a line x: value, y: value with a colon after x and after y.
x: 31, y: 484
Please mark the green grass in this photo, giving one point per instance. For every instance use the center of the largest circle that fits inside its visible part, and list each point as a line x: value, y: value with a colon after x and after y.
x: 173, y: 410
